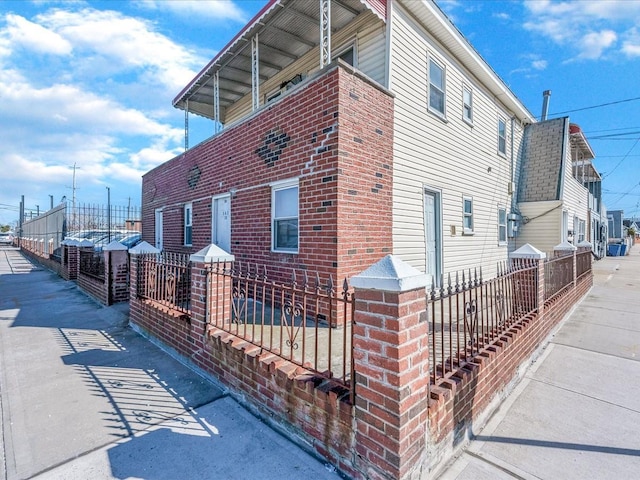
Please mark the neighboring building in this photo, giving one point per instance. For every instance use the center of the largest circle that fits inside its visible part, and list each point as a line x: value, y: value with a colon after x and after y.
x: 560, y: 191
x: 616, y: 225
x: 346, y: 130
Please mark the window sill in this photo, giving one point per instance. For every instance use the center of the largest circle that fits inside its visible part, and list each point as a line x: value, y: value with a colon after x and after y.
x: 440, y: 116
x: 290, y: 252
x: 467, y: 121
x: 467, y: 232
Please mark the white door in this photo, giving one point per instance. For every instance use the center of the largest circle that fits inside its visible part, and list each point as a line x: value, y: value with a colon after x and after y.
x: 221, y: 222
x: 432, y: 236
x: 159, y: 228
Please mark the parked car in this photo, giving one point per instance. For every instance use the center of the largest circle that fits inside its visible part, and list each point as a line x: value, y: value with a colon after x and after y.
x: 6, y: 238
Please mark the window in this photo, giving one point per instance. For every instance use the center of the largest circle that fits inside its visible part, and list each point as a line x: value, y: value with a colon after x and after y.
x: 582, y: 226
x: 467, y: 215
x: 436, y: 88
x: 502, y: 136
x: 284, y: 216
x: 347, y: 54
x: 188, y: 224
x: 502, y: 226
x: 467, y: 105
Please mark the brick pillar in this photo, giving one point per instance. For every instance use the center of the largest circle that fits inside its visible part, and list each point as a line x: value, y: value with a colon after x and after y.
x: 391, y: 364
x: 73, y: 260
x: 116, y: 271
x: 531, y: 285
x: 212, y: 298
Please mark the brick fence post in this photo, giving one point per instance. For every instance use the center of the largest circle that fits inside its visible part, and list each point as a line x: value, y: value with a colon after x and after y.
x: 531, y: 287
x: 134, y: 302
x: 391, y: 365
x: 70, y: 259
x: 116, y: 268
x: 207, y: 299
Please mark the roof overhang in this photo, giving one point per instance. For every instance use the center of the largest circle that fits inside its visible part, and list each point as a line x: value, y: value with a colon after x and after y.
x: 286, y: 29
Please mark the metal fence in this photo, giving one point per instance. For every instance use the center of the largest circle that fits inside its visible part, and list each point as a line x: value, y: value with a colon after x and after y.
x: 165, y: 278
x: 82, y: 221
x: 583, y: 263
x: 306, y: 322
x: 468, y: 313
x: 92, y: 265
x: 558, y: 274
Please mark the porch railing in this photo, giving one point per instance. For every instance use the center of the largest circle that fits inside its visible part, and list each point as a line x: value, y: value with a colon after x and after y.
x: 558, y: 274
x: 165, y: 278
x: 468, y: 313
x: 306, y: 322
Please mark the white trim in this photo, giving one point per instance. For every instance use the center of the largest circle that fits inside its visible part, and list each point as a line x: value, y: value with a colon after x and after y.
x: 189, y: 207
x: 502, y: 243
x: 502, y: 119
x: 286, y: 182
x: 465, y: 230
x: 352, y: 43
x: 441, y: 65
x: 275, y: 187
x: 467, y: 88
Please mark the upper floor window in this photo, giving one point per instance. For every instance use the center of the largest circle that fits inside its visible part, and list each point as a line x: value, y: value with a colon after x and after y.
x: 188, y: 224
x: 467, y: 104
x: 436, y: 88
x: 467, y: 215
x: 502, y: 136
x: 348, y: 54
x: 284, y: 216
x: 502, y: 226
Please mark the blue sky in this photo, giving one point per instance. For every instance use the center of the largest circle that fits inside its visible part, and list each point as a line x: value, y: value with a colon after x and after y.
x: 91, y: 84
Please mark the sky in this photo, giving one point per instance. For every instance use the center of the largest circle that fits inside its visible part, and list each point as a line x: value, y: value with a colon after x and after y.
x: 90, y: 84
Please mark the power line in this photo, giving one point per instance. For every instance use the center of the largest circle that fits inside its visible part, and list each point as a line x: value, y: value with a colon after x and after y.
x: 622, y: 160
x: 596, y: 106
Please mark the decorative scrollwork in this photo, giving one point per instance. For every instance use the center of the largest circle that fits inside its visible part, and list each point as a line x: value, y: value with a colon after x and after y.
x: 471, y: 319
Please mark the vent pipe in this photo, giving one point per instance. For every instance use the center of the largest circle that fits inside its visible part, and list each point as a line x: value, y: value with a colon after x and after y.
x: 545, y: 104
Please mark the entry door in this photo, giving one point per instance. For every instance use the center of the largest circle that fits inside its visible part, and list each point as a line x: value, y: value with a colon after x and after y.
x: 159, y: 227
x: 221, y: 222
x: 432, y: 236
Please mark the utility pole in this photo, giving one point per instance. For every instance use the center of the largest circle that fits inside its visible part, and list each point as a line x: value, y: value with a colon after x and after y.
x: 109, y: 213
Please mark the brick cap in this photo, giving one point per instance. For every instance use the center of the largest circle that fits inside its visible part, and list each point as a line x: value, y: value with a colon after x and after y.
x: 212, y: 253
x: 565, y: 246
x: 70, y: 242
x: 85, y: 243
x: 585, y: 244
x: 113, y: 246
x: 391, y: 275
x: 143, y: 247
x: 528, y: 251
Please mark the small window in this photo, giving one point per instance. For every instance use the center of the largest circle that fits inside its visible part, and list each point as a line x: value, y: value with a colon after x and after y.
x: 436, y: 88
x: 188, y: 224
x: 467, y: 212
x: 502, y: 226
x: 467, y: 105
x: 502, y: 136
x: 347, y: 54
x: 284, y: 215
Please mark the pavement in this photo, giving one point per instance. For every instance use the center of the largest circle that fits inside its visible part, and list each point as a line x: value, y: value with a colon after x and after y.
x: 83, y: 396
x: 576, y: 414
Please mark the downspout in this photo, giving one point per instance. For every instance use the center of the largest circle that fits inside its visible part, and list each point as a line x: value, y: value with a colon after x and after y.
x: 513, y: 167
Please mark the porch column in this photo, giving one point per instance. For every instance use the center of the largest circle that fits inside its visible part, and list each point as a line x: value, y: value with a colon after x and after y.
x: 216, y: 102
x: 255, y: 73
x: 391, y: 365
x: 325, y: 33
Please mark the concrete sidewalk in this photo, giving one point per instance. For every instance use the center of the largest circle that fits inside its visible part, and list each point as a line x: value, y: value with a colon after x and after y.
x: 83, y: 396
x: 576, y: 415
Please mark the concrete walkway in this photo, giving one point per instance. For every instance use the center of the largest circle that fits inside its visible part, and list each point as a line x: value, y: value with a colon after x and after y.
x: 577, y: 413
x: 82, y: 396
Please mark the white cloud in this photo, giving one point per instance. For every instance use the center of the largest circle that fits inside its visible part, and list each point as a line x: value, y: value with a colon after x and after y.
x: 34, y: 37
x: 539, y: 64
x: 631, y: 43
x: 197, y: 10
x: 595, y: 43
x: 588, y: 28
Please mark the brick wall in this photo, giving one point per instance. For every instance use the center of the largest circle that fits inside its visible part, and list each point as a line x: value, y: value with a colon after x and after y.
x: 335, y: 135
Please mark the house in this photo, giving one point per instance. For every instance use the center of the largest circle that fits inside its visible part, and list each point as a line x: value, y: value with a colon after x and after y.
x: 560, y: 191
x: 617, y: 230
x: 345, y: 130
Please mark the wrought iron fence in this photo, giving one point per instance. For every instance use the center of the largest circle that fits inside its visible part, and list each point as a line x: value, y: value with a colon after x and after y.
x: 306, y: 322
x: 583, y: 263
x: 558, y: 274
x: 468, y: 313
x: 165, y: 278
x: 92, y: 265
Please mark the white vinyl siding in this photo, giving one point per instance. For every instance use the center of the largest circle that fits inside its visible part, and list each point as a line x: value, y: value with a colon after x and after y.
x: 543, y: 225
x: 429, y: 152
x: 367, y: 33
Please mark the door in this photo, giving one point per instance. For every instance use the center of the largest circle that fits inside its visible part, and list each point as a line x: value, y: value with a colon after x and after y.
x: 432, y: 236
x: 221, y: 222
x: 159, y: 227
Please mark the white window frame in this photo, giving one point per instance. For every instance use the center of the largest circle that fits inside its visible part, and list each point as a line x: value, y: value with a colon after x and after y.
x: 188, y: 224
x: 352, y: 44
x: 467, y: 214
x: 441, y: 89
x: 467, y: 107
x: 502, y: 147
x: 276, y: 187
x: 502, y: 226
